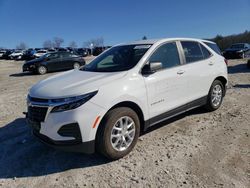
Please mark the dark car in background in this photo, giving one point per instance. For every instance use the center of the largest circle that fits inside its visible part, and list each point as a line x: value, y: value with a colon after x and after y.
x: 99, y: 50
x: 6, y: 54
x: 82, y: 51
x: 239, y: 50
x: 28, y: 54
x: 56, y: 61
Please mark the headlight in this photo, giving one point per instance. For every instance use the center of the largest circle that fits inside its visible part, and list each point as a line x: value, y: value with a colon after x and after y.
x: 71, y: 102
x: 239, y: 51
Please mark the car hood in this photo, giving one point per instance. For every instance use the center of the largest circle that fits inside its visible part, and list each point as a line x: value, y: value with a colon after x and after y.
x: 34, y: 61
x: 72, y: 83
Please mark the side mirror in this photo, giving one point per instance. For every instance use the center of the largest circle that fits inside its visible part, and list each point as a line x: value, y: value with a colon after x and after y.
x: 151, y: 67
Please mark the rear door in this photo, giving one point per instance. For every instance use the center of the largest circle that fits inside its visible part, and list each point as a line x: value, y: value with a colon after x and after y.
x: 166, y: 88
x: 53, y: 62
x: 66, y: 61
x: 199, y: 69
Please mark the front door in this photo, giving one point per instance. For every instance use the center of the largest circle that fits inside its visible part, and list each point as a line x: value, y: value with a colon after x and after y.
x: 166, y: 88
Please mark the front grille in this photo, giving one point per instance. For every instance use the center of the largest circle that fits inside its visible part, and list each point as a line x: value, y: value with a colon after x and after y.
x: 37, y: 114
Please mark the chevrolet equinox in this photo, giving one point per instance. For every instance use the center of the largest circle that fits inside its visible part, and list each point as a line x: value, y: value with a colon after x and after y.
x: 105, y: 104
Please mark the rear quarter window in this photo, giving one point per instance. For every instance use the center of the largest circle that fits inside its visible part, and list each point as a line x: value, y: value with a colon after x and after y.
x: 214, y: 47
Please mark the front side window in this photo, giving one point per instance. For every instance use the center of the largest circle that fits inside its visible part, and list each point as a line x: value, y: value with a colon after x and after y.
x: 119, y: 58
x: 167, y: 54
x: 192, y: 51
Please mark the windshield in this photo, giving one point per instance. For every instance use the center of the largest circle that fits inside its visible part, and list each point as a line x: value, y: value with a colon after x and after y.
x: 237, y: 46
x: 119, y: 58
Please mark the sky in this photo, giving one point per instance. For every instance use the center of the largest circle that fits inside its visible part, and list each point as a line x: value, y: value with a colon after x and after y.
x: 117, y: 21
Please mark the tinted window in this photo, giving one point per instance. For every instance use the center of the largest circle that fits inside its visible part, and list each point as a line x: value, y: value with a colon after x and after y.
x: 64, y: 54
x: 214, y: 47
x: 205, y: 52
x: 53, y: 55
x: 237, y: 46
x: 192, y: 51
x: 167, y: 54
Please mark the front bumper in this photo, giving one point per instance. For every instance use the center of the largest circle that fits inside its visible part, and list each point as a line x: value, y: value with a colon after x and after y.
x: 84, y: 147
x: 29, y: 68
x: 53, y: 130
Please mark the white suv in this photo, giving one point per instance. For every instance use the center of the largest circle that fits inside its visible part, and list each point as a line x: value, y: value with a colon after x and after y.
x: 107, y: 103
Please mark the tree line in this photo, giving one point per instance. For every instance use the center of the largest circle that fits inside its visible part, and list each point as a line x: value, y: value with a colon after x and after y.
x: 225, y: 42
x: 222, y: 41
x: 57, y: 42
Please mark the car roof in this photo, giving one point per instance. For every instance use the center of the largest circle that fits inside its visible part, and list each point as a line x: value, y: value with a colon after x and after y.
x: 153, y: 41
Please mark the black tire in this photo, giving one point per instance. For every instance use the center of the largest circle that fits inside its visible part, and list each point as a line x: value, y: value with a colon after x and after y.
x: 103, y: 142
x: 210, y: 106
x: 248, y: 64
x: 41, y: 70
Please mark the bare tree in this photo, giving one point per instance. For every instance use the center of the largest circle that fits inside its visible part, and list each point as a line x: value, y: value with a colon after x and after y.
x: 57, y: 42
x: 73, y: 44
x: 48, y: 44
x: 97, y: 42
x: 22, y: 46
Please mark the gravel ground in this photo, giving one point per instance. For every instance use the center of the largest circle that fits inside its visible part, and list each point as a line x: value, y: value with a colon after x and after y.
x: 196, y: 149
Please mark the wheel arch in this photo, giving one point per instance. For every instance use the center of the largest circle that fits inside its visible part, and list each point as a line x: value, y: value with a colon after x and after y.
x: 223, y: 81
x: 131, y: 105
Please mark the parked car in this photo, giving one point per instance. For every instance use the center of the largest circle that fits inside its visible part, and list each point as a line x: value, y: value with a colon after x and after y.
x: 82, y: 52
x: 28, y: 54
x: 127, y: 89
x: 40, y: 53
x: 54, y: 62
x: 238, y: 50
x: 248, y: 63
x: 2, y: 52
x: 6, y: 54
x: 97, y: 51
x: 17, y: 55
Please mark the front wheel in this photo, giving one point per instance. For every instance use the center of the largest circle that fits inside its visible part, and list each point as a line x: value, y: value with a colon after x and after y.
x: 76, y: 65
x: 215, y: 96
x: 118, y: 133
x: 41, y: 70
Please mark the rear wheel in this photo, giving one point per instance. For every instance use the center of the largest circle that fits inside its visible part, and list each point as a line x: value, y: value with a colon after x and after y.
x: 42, y: 70
x: 215, y: 96
x: 118, y: 133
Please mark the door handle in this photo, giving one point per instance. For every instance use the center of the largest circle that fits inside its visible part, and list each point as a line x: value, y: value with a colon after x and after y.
x: 211, y: 63
x: 180, y: 72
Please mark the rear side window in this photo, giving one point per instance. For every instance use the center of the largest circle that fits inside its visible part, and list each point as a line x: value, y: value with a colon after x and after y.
x: 167, y: 54
x: 192, y: 51
x: 205, y: 51
x: 214, y: 47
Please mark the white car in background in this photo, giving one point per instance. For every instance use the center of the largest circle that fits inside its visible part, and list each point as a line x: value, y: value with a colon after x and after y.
x: 130, y: 87
x: 17, y: 55
x: 40, y: 53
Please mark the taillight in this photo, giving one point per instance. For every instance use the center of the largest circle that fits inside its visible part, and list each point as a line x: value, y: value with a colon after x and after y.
x: 226, y: 61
